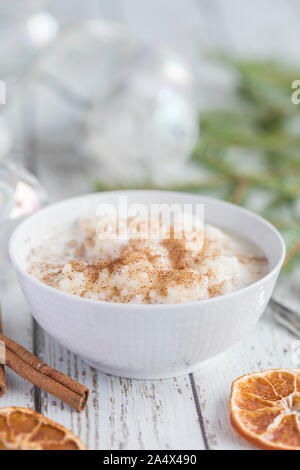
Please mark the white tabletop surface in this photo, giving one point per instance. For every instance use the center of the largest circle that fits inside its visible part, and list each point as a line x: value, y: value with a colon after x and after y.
x: 189, y: 412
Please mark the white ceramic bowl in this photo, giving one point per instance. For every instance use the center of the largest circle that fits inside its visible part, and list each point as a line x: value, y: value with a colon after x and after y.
x: 147, y: 341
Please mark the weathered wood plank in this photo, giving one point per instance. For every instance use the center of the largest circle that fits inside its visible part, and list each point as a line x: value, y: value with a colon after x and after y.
x: 123, y: 413
x: 131, y: 414
x: 17, y: 324
x: 267, y: 347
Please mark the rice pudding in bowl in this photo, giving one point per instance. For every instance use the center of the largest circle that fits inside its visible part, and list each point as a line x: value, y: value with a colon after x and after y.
x: 170, y: 267
x: 153, y: 340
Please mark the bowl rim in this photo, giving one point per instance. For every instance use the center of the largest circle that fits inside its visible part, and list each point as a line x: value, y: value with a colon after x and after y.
x: 102, y: 303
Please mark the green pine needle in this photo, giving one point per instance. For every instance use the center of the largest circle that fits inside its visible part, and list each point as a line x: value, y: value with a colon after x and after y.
x: 251, y: 150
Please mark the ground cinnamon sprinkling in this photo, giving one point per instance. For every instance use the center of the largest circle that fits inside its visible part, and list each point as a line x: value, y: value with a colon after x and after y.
x: 147, y: 271
x: 250, y: 259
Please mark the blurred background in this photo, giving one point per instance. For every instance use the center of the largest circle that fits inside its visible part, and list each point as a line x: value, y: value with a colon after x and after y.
x: 192, y: 95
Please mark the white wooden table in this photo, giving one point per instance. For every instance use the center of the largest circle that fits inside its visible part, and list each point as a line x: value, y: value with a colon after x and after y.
x: 189, y: 412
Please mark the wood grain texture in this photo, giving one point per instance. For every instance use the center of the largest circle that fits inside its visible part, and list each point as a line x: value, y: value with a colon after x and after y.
x: 124, y: 413
x: 189, y: 412
x: 266, y: 347
x: 121, y: 413
x: 17, y: 323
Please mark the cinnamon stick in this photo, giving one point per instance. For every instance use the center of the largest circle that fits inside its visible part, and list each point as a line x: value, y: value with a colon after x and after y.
x: 2, y: 370
x: 38, y: 373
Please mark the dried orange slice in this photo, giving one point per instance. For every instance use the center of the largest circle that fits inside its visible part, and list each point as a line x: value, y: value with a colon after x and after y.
x: 25, y: 429
x: 265, y: 408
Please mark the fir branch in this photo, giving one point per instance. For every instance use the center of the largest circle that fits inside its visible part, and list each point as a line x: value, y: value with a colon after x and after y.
x: 264, y: 126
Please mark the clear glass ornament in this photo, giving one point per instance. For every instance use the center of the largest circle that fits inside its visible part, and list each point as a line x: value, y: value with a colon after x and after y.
x: 20, y: 195
x: 135, y: 104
